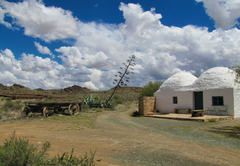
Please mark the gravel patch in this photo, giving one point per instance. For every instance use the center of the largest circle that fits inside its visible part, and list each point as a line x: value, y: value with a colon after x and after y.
x: 180, y: 129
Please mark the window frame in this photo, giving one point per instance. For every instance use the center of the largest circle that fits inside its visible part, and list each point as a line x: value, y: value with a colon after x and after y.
x: 175, y: 100
x: 217, y: 101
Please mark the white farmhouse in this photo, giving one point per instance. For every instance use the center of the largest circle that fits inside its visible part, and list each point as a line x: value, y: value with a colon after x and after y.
x: 215, y: 91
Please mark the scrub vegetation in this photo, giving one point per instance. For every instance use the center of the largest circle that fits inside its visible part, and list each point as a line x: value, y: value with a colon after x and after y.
x: 150, y: 88
x: 18, y: 151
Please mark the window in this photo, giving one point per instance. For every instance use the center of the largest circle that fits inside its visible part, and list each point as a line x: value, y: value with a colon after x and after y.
x: 175, y: 100
x: 217, y: 100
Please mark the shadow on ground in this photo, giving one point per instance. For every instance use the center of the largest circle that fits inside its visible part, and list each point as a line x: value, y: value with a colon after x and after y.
x: 228, y: 131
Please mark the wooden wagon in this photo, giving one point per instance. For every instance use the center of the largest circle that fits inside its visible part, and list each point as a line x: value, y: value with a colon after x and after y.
x: 72, y: 108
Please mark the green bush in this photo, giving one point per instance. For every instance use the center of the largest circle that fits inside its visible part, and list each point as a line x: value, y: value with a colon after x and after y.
x: 8, y: 98
x: 8, y: 105
x: 19, y: 152
x: 66, y: 159
x: 119, y: 101
x: 150, y: 88
x: 17, y: 105
x: 212, y: 120
x: 116, y: 97
x: 135, y: 114
x: 95, y: 97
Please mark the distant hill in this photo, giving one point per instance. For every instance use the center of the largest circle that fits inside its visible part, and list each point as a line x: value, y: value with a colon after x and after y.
x: 73, y: 93
x: 75, y: 89
x: 128, y: 89
x: 16, y: 88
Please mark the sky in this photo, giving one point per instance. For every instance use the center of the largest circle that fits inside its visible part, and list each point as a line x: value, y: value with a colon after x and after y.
x: 54, y: 44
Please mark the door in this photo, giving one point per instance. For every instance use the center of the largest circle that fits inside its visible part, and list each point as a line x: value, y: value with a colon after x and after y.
x: 198, y: 99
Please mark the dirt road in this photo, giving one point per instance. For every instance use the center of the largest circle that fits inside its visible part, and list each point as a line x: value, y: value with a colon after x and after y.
x: 123, y: 140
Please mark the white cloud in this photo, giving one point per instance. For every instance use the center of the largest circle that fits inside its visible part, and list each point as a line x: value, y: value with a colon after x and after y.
x: 43, y: 50
x: 7, y: 78
x: 46, y: 23
x: 35, y: 63
x: 8, y: 53
x: 224, y: 12
x: 137, y: 21
x: 2, y: 16
x: 102, y: 48
x: 95, y: 82
x: 34, y: 72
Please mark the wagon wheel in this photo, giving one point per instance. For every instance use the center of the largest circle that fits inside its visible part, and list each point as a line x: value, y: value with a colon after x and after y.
x: 24, y: 111
x: 73, y: 109
x: 45, y: 112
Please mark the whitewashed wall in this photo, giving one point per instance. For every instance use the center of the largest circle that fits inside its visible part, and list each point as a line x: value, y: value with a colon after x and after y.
x: 227, y: 97
x: 164, y: 100
x: 218, y: 81
x: 237, y: 101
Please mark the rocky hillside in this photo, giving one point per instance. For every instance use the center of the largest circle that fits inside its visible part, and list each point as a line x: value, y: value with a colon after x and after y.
x: 127, y: 89
x: 15, y: 88
x: 75, y: 89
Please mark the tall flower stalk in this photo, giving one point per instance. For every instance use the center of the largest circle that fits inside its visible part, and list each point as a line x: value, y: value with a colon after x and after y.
x: 122, y: 76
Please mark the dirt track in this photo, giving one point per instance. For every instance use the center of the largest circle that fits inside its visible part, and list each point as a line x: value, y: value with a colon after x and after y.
x: 122, y: 140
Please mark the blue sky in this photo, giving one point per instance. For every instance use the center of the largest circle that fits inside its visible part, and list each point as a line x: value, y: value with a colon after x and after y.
x: 58, y: 43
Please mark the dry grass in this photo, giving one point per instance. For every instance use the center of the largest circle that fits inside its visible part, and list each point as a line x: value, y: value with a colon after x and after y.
x: 12, y: 108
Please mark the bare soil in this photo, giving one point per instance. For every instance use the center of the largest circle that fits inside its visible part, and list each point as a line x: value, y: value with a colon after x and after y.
x: 123, y: 140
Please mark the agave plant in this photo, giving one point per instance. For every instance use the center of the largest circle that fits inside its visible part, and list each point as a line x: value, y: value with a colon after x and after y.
x: 91, y: 102
x: 122, y: 76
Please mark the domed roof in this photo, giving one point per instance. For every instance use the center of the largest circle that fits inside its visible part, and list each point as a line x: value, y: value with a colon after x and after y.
x: 215, y: 78
x: 178, y: 81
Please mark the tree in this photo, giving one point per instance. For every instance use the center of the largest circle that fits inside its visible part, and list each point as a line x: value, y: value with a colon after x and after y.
x: 122, y: 77
x: 150, y: 88
x: 236, y: 68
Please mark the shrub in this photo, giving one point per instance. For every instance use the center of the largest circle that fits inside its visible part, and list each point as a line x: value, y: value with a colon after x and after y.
x: 116, y: 97
x: 212, y: 120
x: 19, y: 152
x: 66, y: 159
x: 135, y: 114
x: 119, y: 101
x: 8, y: 105
x: 8, y: 98
x: 17, y: 105
x: 95, y: 97
x: 150, y: 88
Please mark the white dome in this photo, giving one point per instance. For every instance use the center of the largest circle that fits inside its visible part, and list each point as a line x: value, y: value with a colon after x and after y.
x: 215, y: 78
x: 178, y: 81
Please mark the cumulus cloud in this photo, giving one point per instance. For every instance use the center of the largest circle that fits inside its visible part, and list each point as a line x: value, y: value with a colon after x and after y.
x: 43, y: 50
x: 46, y: 23
x: 224, y: 12
x: 34, y: 72
x: 2, y: 16
x: 139, y: 23
x: 100, y: 50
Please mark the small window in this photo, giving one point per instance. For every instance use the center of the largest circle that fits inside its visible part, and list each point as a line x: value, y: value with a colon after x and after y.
x: 217, y: 100
x: 175, y: 100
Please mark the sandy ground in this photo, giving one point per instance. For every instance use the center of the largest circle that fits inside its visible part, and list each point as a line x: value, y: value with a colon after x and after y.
x: 119, y: 140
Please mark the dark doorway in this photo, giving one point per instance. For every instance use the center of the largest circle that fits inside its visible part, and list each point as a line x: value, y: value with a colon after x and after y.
x: 198, y: 99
